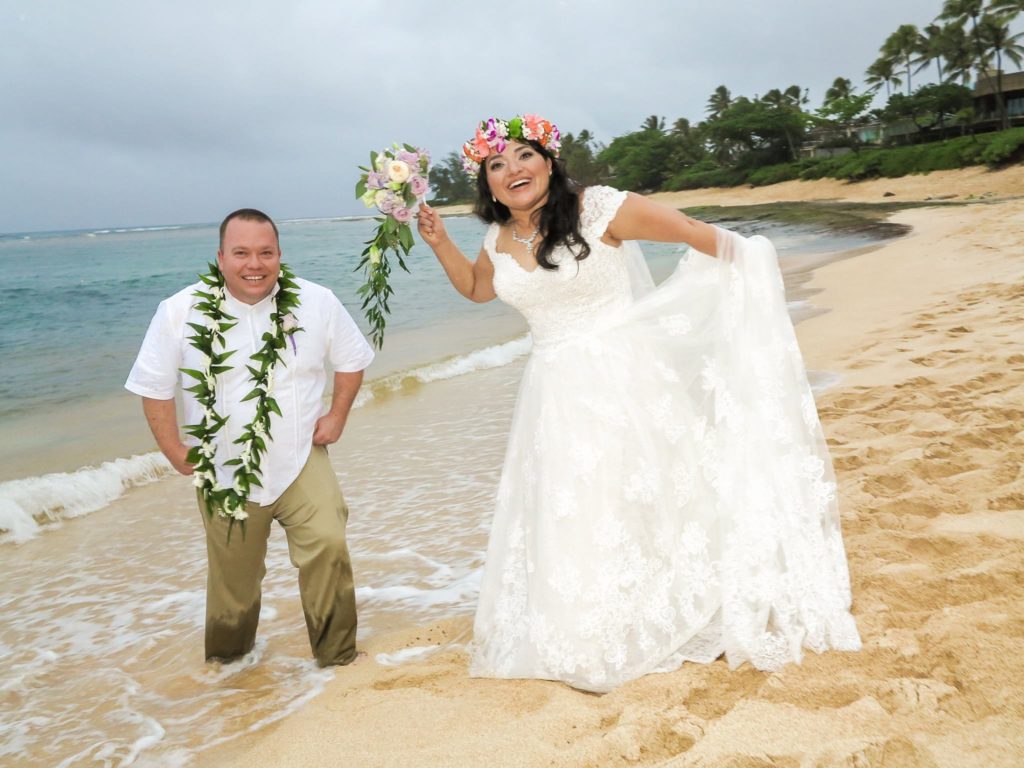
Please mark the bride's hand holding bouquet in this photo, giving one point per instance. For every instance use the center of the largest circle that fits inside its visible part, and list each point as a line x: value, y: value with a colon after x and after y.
x: 431, y: 227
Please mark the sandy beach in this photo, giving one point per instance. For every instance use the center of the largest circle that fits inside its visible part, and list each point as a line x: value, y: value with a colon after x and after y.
x: 927, y: 335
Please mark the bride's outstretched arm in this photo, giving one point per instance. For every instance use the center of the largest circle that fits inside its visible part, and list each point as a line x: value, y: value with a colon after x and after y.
x: 641, y: 219
x: 474, y: 280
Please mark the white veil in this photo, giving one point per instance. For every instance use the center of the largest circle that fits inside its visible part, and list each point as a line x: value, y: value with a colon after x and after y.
x: 640, y: 281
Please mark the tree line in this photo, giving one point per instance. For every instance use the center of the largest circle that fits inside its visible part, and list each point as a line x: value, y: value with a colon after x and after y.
x: 740, y: 136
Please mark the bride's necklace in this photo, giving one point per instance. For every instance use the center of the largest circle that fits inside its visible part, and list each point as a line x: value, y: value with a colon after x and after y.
x: 527, y: 241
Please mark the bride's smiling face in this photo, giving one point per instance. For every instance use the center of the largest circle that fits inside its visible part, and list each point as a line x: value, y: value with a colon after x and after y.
x: 518, y: 177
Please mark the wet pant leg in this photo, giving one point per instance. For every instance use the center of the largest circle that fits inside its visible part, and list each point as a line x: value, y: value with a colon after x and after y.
x: 314, y: 514
x: 233, y: 582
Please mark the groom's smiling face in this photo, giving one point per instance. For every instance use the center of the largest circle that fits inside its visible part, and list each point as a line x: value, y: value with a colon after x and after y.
x: 249, y: 259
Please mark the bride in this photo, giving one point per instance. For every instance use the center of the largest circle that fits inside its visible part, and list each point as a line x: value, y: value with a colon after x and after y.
x: 667, y: 494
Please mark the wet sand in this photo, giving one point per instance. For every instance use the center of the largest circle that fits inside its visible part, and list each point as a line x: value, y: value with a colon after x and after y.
x: 925, y: 425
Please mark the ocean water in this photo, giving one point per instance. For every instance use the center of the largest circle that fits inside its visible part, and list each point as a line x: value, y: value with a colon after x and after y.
x: 102, y: 566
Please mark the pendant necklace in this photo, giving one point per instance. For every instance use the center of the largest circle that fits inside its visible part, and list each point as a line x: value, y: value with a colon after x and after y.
x: 527, y: 241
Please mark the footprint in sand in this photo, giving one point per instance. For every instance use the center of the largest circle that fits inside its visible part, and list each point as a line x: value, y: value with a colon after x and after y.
x: 940, y: 358
x: 886, y: 485
x: 908, y: 695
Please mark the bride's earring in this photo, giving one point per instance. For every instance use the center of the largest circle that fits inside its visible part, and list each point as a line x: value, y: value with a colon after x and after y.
x: 494, y: 199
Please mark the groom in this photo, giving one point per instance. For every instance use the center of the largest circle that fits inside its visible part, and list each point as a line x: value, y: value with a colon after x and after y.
x: 298, y: 487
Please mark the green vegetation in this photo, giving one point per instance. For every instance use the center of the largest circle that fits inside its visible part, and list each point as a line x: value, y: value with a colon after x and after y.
x: 778, y: 137
x: 993, y: 149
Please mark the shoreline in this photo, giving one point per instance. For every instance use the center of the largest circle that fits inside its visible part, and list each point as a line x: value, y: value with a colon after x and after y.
x: 924, y: 430
x: 48, y: 457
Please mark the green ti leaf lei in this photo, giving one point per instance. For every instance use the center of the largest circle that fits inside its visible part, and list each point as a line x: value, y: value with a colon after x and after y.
x: 209, y: 340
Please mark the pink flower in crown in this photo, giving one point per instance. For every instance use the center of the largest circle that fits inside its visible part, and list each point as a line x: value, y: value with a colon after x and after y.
x: 532, y: 127
x: 418, y: 185
x: 494, y: 132
x: 401, y: 214
x: 555, y: 142
x: 411, y: 158
x: 496, y: 129
x: 481, y: 145
x: 544, y: 131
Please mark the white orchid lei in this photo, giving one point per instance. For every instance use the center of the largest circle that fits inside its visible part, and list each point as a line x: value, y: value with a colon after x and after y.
x: 208, y: 338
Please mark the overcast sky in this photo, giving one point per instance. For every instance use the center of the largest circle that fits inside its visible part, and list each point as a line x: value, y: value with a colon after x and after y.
x: 144, y: 112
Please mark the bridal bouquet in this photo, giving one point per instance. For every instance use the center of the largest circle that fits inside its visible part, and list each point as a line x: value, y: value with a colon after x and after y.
x: 394, y: 184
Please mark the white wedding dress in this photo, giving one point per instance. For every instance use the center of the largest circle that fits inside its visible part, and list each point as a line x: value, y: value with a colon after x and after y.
x: 667, y: 494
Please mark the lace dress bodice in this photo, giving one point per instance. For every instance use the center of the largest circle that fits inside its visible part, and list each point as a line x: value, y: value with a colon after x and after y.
x: 578, y: 296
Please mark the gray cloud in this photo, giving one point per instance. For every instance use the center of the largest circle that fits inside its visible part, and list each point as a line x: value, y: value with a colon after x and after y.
x: 123, y: 113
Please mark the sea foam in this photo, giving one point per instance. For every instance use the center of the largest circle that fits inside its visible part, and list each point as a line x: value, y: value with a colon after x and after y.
x: 479, y: 360
x: 27, y: 504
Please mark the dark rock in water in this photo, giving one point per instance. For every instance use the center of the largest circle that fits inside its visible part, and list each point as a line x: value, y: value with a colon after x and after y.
x: 889, y: 194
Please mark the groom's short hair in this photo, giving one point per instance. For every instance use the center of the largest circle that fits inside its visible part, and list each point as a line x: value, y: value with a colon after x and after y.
x: 248, y: 214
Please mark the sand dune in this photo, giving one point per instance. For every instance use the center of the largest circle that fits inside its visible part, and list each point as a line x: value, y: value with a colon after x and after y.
x: 927, y: 432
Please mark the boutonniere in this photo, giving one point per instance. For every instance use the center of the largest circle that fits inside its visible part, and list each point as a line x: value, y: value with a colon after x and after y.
x: 290, y: 325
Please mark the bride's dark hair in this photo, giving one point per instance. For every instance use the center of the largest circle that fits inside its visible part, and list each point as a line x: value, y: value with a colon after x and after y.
x: 559, y: 218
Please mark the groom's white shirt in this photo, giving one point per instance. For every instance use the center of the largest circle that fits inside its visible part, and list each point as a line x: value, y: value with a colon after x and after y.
x: 329, y: 337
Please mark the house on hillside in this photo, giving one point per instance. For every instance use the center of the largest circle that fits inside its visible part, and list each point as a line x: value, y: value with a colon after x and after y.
x: 830, y: 142
x: 985, y: 108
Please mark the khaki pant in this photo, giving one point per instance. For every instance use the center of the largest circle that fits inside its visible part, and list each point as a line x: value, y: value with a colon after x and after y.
x: 313, y: 514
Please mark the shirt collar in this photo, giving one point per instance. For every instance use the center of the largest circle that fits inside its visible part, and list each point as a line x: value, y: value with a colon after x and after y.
x: 236, y: 307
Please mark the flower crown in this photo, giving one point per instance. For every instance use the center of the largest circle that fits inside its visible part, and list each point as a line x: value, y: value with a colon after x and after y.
x: 492, y: 135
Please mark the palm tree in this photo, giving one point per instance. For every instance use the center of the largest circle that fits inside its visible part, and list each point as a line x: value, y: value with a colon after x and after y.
x: 995, y: 40
x: 901, y: 46
x: 959, y: 11
x: 719, y: 101
x: 931, y: 49
x: 955, y: 49
x: 1010, y: 9
x: 795, y: 96
x: 882, y: 72
x: 681, y: 127
x: 654, y: 123
x: 775, y: 97
x: 790, y: 100
x: 841, y: 88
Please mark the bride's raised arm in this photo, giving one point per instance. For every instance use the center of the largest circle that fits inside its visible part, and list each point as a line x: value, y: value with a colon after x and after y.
x: 474, y: 280
x: 641, y: 219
